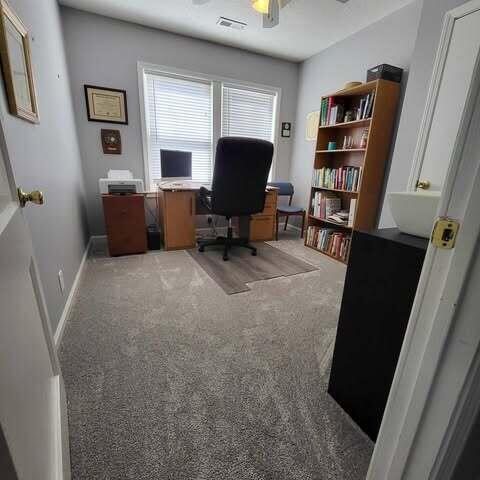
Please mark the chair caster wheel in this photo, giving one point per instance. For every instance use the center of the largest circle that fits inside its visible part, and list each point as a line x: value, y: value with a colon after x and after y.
x: 201, y: 249
x: 254, y: 253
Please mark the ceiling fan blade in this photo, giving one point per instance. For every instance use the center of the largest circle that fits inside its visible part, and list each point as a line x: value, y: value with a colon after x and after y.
x: 272, y: 18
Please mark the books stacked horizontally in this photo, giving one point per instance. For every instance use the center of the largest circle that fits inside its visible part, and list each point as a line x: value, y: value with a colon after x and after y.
x: 366, y: 106
x: 325, y: 204
x: 330, y: 241
x: 331, y: 112
x: 343, y: 178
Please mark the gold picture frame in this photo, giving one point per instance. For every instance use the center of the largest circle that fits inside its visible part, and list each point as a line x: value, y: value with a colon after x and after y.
x: 16, y: 62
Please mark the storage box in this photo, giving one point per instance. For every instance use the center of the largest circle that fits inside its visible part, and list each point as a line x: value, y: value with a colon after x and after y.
x: 385, y: 72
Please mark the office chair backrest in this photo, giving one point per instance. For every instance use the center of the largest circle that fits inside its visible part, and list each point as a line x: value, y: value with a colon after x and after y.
x: 240, y: 176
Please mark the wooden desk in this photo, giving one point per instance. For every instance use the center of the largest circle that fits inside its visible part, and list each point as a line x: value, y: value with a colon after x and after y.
x: 177, y: 211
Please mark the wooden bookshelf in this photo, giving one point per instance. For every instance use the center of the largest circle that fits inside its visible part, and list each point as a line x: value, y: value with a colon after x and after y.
x: 371, y: 159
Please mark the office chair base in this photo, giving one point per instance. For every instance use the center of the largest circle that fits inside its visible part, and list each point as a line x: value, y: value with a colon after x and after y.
x: 228, y: 243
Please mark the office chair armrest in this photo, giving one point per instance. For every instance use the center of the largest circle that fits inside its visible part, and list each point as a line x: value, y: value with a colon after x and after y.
x: 206, y: 197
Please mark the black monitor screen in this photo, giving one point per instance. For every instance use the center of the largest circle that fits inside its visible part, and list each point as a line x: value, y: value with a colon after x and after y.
x: 176, y: 164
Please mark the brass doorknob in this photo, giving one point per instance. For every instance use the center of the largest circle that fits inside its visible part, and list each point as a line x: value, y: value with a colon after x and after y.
x: 423, y: 184
x: 35, y: 197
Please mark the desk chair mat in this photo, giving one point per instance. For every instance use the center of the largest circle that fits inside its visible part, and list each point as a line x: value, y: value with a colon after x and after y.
x: 243, y: 268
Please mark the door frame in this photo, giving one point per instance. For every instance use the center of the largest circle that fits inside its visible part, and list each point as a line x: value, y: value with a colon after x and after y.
x: 434, y: 88
x: 60, y: 427
x: 420, y: 419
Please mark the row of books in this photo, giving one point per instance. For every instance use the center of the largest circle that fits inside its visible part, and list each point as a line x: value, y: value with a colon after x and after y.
x: 343, y: 178
x: 325, y: 204
x: 330, y: 241
x: 330, y: 112
x: 366, y: 106
x: 328, y: 206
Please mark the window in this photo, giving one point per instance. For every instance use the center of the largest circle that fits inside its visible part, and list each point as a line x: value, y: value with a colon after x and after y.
x: 190, y: 113
x: 247, y: 113
x: 179, y: 117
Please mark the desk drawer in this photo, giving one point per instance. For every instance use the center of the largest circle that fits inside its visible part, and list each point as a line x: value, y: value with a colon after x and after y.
x: 262, y: 228
x: 270, y: 207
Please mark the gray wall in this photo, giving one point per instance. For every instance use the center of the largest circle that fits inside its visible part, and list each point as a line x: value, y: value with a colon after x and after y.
x: 105, y: 52
x: 47, y: 157
x: 429, y: 31
x: 391, y: 40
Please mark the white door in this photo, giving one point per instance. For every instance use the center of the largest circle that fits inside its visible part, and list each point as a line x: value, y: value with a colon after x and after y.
x: 30, y: 382
x: 452, y: 95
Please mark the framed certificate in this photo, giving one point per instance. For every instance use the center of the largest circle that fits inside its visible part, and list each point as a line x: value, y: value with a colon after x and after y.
x: 17, y: 65
x: 107, y: 105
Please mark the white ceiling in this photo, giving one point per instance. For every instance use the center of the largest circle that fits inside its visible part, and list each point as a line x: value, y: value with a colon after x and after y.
x: 306, y: 26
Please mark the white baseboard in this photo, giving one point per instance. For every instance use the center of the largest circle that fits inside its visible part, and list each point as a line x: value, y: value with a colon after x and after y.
x: 57, y: 337
x: 298, y: 229
x: 57, y: 427
x: 94, y: 238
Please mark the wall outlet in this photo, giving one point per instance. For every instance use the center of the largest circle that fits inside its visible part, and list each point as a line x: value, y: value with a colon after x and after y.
x: 61, y: 281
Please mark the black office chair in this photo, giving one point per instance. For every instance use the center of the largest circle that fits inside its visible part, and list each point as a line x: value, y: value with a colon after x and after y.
x: 238, y: 187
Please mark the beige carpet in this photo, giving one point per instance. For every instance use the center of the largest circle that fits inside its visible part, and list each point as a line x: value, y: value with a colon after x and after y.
x: 169, y: 378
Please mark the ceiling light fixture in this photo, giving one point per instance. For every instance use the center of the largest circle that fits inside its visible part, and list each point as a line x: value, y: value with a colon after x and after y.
x: 261, y: 5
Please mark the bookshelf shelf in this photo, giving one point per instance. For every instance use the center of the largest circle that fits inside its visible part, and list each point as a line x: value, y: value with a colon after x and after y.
x: 355, y: 123
x: 357, y: 174
x: 351, y: 192
x: 327, y: 254
x: 330, y: 222
x: 343, y: 150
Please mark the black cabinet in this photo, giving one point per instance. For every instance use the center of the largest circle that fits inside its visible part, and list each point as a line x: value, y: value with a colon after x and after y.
x: 380, y: 286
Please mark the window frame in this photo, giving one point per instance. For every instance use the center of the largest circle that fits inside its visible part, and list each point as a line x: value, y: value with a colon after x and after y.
x: 217, y: 83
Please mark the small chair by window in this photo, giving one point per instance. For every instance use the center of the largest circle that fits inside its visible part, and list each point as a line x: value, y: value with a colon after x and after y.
x: 286, y: 189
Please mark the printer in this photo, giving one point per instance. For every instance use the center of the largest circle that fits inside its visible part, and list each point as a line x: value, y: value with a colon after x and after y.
x: 120, y: 182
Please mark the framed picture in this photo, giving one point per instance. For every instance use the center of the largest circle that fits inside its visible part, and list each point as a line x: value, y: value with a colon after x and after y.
x: 107, y: 105
x: 17, y: 65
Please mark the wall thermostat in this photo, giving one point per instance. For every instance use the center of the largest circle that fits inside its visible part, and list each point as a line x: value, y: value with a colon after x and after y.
x: 286, y: 129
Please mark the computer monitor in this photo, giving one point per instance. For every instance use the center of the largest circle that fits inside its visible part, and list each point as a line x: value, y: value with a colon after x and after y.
x: 176, y: 165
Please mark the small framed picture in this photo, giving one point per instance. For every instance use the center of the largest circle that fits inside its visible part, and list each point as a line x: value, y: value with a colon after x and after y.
x: 16, y: 65
x: 108, y: 105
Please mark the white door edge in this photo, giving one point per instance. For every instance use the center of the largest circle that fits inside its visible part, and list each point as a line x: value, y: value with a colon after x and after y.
x: 6, y: 215
x: 429, y: 331
x: 435, y: 82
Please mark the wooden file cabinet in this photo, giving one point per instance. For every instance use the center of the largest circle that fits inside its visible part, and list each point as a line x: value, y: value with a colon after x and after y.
x: 125, y: 224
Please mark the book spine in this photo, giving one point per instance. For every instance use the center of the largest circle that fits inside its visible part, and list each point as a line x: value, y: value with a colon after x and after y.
x: 351, y: 214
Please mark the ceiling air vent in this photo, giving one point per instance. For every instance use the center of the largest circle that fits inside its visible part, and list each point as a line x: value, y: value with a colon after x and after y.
x: 229, y: 23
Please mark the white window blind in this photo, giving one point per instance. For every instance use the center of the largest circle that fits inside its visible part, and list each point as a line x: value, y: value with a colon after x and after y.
x: 179, y: 117
x: 248, y: 113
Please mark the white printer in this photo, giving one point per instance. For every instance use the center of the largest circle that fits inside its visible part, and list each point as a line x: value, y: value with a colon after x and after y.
x: 120, y: 182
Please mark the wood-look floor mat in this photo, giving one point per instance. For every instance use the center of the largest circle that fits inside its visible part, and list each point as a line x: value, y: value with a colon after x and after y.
x: 242, y: 268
